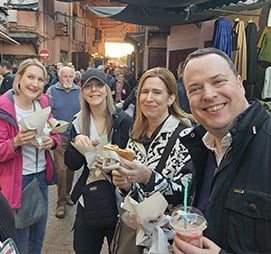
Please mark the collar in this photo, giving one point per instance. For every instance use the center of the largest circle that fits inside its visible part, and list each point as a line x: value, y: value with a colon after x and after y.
x: 209, y: 141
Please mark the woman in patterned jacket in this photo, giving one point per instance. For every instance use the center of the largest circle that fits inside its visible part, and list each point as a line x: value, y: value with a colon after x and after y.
x: 157, y: 116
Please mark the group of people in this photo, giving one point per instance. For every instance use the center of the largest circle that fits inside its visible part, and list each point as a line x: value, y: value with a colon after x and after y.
x: 222, y: 148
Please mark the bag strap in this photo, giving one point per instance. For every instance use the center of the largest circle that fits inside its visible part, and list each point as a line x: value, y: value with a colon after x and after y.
x: 168, y: 148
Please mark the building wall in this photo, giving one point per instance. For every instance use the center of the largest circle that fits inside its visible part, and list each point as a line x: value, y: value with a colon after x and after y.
x: 189, y: 36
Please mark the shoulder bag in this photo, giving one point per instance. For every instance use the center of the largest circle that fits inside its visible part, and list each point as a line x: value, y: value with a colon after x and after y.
x: 124, y: 239
x: 32, y: 206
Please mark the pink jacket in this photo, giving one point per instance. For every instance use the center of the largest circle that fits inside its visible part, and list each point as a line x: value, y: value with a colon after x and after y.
x: 11, y: 161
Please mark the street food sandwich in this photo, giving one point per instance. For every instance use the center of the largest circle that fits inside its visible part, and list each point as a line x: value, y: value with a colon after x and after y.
x: 126, y: 153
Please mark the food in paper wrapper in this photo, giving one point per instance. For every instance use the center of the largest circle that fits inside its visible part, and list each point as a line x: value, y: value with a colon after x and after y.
x: 125, y: 153
x: 57, y: 126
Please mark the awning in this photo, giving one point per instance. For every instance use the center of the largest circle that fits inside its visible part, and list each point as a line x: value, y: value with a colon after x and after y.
x: 178, y: 3
x: 6, y: 38
x: 26, y: 38
x: 24, y: 4
x: 154, y: 12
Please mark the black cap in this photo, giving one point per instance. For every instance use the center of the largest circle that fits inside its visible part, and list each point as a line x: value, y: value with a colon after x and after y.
x: 93, y: 73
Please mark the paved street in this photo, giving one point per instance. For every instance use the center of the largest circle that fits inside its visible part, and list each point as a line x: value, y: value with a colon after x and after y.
x: 58, y: 239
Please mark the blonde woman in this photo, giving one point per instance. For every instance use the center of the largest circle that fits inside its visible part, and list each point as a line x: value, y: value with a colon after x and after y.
x: 21, y: 159
x: 96, y: 210
x: 157, y: 116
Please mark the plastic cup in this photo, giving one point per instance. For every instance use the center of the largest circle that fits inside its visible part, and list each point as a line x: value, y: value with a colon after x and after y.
x: 189, y: 225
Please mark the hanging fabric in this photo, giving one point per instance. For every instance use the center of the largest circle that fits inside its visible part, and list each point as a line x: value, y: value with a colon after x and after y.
x: 266, y: 92
x: 240, y: 54
x: 251, y: 35
x: 222, y: 38
x: 265, y: 50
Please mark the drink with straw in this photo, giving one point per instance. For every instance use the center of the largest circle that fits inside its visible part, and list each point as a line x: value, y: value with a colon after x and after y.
x: 189, y: 224
x: 188, y: 221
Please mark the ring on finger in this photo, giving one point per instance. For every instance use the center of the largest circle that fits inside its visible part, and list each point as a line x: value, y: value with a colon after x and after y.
x: 129, y: 177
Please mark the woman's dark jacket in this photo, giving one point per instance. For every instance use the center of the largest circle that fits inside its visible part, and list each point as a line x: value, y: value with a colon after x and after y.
x: 239, y: 206
x: 122, y: 124
x: 7, y: 223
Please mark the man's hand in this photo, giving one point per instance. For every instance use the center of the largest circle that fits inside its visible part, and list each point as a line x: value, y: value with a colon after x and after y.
x: 182, y: 247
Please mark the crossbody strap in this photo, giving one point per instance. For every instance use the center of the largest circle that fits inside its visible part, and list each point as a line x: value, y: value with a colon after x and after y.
x: 168, y: 148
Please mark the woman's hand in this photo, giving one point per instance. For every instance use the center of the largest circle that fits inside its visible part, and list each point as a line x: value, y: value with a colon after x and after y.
x: 120, y: 180
x: 84, y: 140
x: 135, y: 171
x: 24, y: 137
x: 181, y: 247
x: 47, y: 143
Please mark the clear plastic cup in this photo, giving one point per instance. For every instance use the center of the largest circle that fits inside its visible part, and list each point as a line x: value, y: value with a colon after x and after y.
x: 189, y: 225
x: 131, y: 220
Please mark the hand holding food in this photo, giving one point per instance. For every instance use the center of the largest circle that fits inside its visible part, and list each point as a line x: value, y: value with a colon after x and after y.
x: 125, y: 153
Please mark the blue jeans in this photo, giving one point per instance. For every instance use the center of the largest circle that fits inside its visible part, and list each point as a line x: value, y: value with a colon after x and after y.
x: 30, y: 239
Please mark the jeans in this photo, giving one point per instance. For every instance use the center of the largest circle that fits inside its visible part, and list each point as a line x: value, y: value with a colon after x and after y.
x: 64, y: 174
x: 30, y: 239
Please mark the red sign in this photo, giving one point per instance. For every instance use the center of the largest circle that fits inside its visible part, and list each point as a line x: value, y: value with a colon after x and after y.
x: 44, y: 54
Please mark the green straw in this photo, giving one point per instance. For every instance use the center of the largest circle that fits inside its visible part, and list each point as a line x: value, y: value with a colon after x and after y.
x: 185, y: 201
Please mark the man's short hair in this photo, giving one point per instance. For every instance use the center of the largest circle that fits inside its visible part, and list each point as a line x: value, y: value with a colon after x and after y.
x: 7, y: 64
x: 209, y: 51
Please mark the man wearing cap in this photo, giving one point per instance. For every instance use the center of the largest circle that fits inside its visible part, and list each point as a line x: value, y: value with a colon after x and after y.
x: 8, y: 76
x: 64, y: 99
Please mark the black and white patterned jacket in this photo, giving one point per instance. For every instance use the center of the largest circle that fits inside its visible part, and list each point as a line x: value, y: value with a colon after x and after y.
x: 170, y: 182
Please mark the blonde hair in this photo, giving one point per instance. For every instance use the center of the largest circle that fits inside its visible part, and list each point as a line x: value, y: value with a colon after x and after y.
x: 86, y: 111
x: 140, y: 124
x: 21, y: 70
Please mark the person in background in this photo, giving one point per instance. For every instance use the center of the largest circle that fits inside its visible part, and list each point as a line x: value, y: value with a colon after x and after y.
x: 77, y: 79
x: 56, y: 69
x: 129, y: 105
x: 157, y: 116
x: 231, y: 154
x: 8, y: 76
x: 120, y: 88
x: 96, y: 215
x: 64, y: 101
x: 130, y: 77
x: 109, y: 77
x: 21, y: 158
x: 183, y: 101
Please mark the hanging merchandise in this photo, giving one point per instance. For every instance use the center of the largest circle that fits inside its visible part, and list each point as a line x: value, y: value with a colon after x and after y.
x: 265, y: 49
x: 251, y: 35
x: 264, y: 44
x: 222, y: 37
x: 240, y: 54
x: 266, y: 92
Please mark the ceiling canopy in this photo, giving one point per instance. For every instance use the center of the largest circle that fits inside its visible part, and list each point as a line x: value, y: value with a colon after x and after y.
x: 178, y: 3
x: 174, y: 12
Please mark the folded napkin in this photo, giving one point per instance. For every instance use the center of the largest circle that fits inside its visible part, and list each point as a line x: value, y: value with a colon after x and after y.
x: 110, y: 158
x: 151, y: 233
x: 37, y: 121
